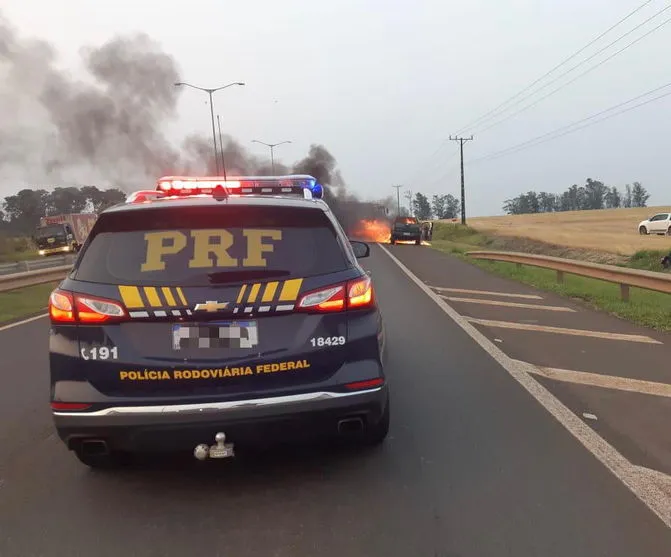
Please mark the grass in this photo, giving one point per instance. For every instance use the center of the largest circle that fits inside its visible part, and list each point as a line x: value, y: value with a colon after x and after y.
x: 24, y: 302
x: 16, y: 248
x: 608, y: 230
x: 647, y: 308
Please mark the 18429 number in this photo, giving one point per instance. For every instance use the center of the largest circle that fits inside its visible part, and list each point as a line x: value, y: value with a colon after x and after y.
x: 327, y: 341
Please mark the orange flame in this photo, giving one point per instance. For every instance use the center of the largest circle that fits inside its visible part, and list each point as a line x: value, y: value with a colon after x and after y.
x: 372, y: 231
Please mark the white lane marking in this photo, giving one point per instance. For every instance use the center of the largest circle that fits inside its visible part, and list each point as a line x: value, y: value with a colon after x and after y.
x: 598, y: 380
x: 640, y: 484
x: 506, y: 304
x: 662, y: 480
x: 562, y: 330
x: 487, y: 293
x: 23, y: 322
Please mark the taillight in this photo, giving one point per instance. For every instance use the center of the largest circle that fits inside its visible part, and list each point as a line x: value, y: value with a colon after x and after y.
x: 97, y: 310
x: 360, y: 293
x: 61, y: 307
x: 354, y: 294
x: 328, y: 299
x: 65, y: 307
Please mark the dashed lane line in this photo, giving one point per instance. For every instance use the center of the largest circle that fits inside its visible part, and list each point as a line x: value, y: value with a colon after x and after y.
x: 487, y: 293
x: 600, y: 380
x: 641, y: 484
x: 562, y: 330
x: 507, y: 304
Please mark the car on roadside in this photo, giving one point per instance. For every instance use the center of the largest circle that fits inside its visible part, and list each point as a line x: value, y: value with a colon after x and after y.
x: 406, y: 229
x: 656, y: 224
x: 210, y: 314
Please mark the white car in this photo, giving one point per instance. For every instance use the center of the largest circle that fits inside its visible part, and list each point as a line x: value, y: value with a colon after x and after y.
x: 657, y: 224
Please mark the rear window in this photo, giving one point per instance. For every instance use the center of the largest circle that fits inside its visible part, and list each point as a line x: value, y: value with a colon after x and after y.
x: 194, y: 246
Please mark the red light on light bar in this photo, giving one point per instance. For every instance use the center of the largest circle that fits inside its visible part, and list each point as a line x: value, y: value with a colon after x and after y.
x: 195, y: 185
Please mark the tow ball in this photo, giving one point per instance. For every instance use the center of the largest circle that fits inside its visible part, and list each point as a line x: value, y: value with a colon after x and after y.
x: 220, y: 450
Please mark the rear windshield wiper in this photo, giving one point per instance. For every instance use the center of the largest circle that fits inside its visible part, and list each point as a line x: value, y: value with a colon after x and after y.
x: 235, y: 276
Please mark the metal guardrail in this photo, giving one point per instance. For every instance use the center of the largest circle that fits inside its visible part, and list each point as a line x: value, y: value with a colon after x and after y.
x: 648, y: 280
x: 34, y: 264
x: 31, y: 278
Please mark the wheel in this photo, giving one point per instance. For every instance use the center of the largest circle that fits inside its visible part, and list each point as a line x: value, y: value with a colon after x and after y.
x: 109, y: 461
x: 643, y: 231
x: 377, y: 433
x: 418, y: 242
x: 392, y: 241
x: 668, y: 231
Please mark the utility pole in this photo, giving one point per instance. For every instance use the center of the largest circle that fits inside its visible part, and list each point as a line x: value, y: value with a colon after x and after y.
x: 221, y: 147
x: 408, y: 196
x: 461, y: 141
x: 398, y: 200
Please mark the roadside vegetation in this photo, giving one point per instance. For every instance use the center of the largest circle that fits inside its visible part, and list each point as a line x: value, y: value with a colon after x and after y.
x: 24, y: 302
x: 651, y: 309
x: 16, y: 248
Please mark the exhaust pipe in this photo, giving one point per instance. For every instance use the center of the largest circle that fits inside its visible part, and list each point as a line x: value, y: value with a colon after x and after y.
x: 94, y: 447
x: 350, y: 425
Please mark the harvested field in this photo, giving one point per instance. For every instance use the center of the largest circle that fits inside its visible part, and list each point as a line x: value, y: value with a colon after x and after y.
x: 608, y: 230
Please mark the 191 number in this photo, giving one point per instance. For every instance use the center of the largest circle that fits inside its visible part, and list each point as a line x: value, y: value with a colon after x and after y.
x: 101, y: 353
x: 327, y: 341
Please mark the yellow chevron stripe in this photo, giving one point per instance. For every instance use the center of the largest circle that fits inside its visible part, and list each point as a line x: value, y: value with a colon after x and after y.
x: 131, y: 297
x: 269, y: 292
x: 152, y: 297
x: 181, y: 296
x: 253, y: 293
x: 167, y: 294
x: 241, y: 295
x: 290, y: 290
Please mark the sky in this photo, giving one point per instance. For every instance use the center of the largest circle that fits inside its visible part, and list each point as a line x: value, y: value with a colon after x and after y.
x: 383, y: 85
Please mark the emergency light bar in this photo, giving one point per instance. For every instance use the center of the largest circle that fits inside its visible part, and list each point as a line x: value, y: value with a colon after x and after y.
x: 296, y: 184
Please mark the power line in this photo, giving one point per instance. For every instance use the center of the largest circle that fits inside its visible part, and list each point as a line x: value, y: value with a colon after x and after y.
x: 589, y: 70
x: 557, y: 66
x: 535, y: 141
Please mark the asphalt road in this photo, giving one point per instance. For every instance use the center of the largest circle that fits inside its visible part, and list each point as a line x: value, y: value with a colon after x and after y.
x: 474, y: 466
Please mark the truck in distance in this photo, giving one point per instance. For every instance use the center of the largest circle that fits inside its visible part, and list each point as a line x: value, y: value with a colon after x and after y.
x: 63, y: 233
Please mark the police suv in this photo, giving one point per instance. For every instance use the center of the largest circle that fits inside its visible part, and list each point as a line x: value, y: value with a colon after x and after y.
x: 212, y: 313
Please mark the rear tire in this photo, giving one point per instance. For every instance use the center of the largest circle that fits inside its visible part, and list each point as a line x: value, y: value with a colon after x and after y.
x: 643, y: 231
x: 110, y: 461
x: 376, y: 433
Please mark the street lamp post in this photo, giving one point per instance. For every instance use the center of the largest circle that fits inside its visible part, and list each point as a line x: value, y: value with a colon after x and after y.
x: 210, y: 92
x: 272, y: 148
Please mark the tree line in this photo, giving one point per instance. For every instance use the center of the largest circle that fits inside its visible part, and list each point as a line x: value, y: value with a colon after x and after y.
x: 20, y: 213
x: 593, y: 195
x: 440, y: 207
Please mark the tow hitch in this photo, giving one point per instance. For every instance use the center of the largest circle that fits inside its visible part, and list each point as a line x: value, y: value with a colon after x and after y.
x: 220, y: 450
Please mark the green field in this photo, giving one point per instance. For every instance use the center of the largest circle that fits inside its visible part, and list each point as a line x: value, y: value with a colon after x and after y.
x: 651, y: 309
x: 24, y: 302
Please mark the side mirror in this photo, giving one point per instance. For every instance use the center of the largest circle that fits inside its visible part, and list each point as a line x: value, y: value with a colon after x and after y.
x: 361, y: 249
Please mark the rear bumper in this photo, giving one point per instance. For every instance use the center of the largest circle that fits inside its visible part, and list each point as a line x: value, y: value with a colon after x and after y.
x: 181, y: 427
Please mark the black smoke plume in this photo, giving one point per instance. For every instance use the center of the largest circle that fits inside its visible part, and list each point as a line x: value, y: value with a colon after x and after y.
x: 108, y: 128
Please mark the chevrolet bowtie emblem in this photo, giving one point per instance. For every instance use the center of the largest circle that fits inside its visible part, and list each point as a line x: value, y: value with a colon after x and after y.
x: 211, y: 306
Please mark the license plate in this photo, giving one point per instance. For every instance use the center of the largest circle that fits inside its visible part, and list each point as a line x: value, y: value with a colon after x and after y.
x: 219, y: 334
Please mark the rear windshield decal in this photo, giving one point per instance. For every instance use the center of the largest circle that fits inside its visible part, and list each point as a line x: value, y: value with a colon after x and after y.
x: 210, y: 248
x: 162, y: 301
